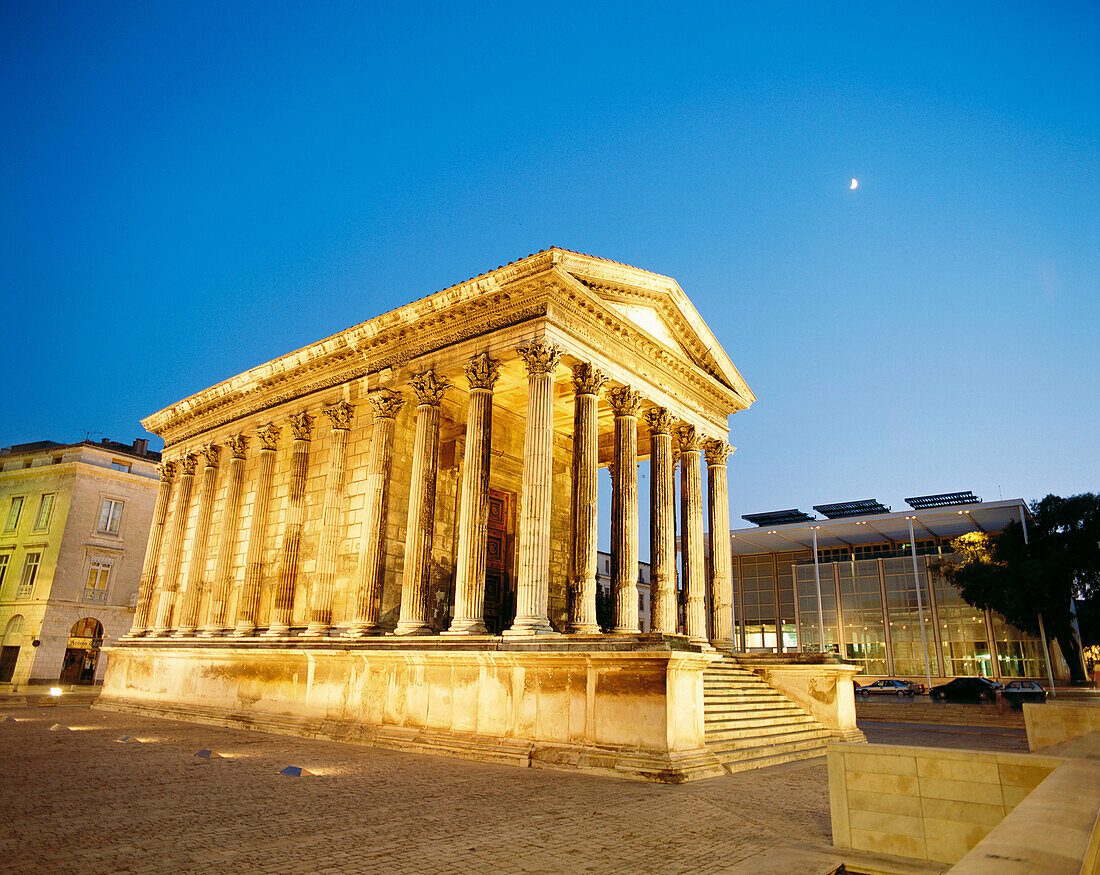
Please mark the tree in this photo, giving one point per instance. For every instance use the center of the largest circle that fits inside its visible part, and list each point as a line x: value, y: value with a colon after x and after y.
x: 1021, y: 579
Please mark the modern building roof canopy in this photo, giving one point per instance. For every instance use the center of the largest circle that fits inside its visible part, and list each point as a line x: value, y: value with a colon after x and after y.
x: 778, y: 517
x: 944, y: 522
x: 851, y: 508
x: 944, y: 499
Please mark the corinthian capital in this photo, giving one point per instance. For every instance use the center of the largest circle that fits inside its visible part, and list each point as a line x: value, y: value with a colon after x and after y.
x: 237, y: 444
x: 482, y: 371
x: 660, y: 420
x: 541, y: 357
x: 386, y: 403
x: 689, y: 439
x: 211, y: 453
x: 301, y: 424
x: 167, y: 470
x: 187, y: 463
x: 588, y: 380
x: 625, y: 401
x: 340, y: 415
x: 429, y: 388
x: 269, y: 436
x: 716, y: 452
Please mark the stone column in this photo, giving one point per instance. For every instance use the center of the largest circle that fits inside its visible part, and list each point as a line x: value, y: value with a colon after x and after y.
x: 249, y: 602
x: 170, y: 582
x: 429, y: 389
x: 691, y: 534
x: 282, y: 600
x: 587, y: 382
x: 231, y: 514
x: 533, y: 584
x: 332, y: 512
x: 193, y: 589
x: 624, y: 509
x: 473, y: 519
x: 721, y: 584
x: 152, y: 551
x: 368, y: 573
x: 662, y: 518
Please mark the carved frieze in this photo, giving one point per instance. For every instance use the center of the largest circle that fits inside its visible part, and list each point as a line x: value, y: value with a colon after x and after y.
x: 482, y: 371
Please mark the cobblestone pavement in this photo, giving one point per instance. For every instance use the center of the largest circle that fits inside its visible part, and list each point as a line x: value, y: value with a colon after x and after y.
x: 80, y: 800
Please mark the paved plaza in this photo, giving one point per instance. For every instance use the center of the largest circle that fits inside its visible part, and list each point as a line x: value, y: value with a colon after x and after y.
x: 79, y: 799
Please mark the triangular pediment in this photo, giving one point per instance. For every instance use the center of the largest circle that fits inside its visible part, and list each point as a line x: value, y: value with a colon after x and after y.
x: 648, y: 318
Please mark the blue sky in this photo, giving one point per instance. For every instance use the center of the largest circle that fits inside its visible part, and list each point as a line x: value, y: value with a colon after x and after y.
x: 193, y: 189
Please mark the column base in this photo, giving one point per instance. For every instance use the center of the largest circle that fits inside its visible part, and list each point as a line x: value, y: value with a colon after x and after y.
x: 529, y: 628
x: 585, y: 629
x: 362, y: 632
x: 315, y: 630
x: 184, y: 633
x: 412, y: 629
x: 212, y: 632
x: 466, y: 627
x: 626, y: 630
x: 277, y: 630
x: 244, y: 630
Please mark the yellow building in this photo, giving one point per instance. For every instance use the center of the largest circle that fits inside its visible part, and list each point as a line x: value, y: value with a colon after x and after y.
x: 74, y: 519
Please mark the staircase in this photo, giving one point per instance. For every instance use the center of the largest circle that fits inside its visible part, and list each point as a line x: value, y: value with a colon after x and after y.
x: 750, y: 725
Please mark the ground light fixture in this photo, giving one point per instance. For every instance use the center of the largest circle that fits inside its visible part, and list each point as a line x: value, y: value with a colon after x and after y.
x: 293, y: 771
x: 55, y: 691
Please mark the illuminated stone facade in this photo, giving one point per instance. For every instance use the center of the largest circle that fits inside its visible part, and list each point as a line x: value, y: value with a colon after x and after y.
x: 403, y: 517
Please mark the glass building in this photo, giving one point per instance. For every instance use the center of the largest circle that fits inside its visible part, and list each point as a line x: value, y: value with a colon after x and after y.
x: 870, y: 594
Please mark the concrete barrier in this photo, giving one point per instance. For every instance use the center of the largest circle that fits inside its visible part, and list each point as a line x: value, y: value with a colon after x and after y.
x: 1056, y: 722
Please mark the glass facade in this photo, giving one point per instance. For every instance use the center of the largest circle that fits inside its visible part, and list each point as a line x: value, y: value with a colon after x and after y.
x: 871, y: 616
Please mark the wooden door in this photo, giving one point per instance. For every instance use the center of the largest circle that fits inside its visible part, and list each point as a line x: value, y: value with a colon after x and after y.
x: 500, y: 602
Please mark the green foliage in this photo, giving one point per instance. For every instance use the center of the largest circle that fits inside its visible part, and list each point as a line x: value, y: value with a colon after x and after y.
x: 1058, y: 562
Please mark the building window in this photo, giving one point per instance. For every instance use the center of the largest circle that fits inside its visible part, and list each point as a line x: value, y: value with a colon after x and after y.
x: 45, y: 511
x: 30, y: 572
x: 95, y: 589
x: 109, y: 516
x: 13, y: 513
x: 122, y: 466
x: 4, y: 558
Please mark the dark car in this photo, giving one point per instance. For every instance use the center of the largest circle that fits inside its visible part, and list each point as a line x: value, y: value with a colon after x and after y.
x: 891, y: 687
x: 966, y: 690
x: 1018, y: 692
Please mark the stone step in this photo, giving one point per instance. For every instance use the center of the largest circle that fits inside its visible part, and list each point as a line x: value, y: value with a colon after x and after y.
x: 747, y: 699
x: 772, y: 759
x: 751, y: 718
x: 717, y: 735
x: 747, y: 748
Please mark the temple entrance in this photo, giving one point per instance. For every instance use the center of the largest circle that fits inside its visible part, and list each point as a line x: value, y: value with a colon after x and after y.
x: 500, y: 597
x: 82, y: 653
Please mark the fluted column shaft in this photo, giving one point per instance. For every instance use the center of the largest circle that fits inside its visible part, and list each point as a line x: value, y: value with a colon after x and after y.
x: 721, y: 585
x: 587, y: 381
x: 152, y: 551
x: 170, y: 582
x: 473, y: 522
x: 231, y: 514
x: 282, y: 598
x: 624, y: 510
x: 189, y: 608
x: 249, y: 602
x: 421, y: 521
x: 332, y: 511
x: 691, y: 529
x: 368, y: 574
x: 533, y: 583
x: 662, y: 518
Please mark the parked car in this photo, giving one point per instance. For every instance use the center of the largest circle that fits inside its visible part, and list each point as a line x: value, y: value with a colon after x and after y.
x: 966, y: 690
x: 892, y: 687
x: 1018, y: 692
